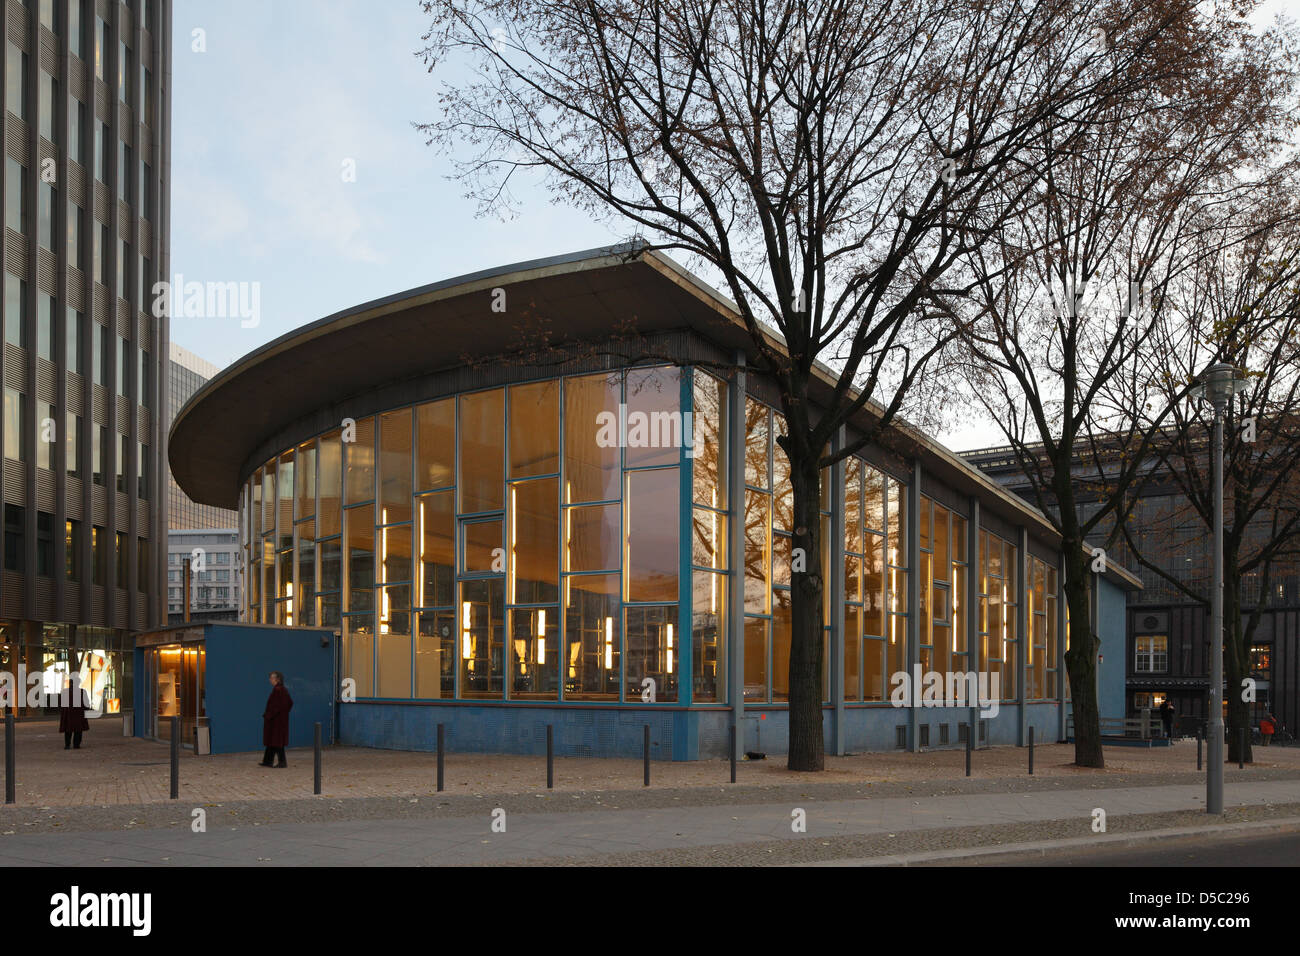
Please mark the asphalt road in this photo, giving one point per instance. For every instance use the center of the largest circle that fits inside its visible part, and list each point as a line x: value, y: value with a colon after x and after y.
x: 1273, y: 849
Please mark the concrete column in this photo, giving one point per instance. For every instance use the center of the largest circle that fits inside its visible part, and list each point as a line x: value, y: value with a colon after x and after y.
x: 836, y: 575
x: 736, y: 549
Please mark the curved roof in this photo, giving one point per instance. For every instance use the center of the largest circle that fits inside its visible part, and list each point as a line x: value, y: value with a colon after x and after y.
x: 583, y: 296
x: 420, y: 331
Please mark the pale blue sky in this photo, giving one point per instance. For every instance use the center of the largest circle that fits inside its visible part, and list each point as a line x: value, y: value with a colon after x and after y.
x: 262, y: 123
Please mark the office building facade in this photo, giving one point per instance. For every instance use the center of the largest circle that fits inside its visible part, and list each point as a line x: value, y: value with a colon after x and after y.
x: 85, y: 181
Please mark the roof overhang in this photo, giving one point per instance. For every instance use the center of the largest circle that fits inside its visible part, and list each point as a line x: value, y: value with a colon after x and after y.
x: 582, y: 296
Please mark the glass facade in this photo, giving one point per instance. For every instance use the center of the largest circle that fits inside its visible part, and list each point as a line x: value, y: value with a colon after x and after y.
x: 557, y: 540
x: 502, y: 544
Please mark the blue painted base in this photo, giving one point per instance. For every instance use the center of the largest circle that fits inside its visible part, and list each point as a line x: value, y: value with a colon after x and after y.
x: 697, y: 734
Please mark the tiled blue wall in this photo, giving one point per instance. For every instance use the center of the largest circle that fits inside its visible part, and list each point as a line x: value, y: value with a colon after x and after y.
x: 586, y: 732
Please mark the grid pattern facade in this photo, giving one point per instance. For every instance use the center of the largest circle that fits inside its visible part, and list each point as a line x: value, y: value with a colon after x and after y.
x: 186, y: 374
x: 214, y: 569
x: 85, y: 182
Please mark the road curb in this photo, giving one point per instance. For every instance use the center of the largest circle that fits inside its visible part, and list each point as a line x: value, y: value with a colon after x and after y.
x: 1044, y: 846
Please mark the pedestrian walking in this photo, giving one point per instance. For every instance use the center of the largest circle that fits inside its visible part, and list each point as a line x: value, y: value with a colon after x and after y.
x: 1267, y: 727
x: 1167, y: 717
x: 72, y: 715
x: 275, y: 722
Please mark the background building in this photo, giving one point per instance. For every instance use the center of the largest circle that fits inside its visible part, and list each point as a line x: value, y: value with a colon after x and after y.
x: 1168, y: 633
x: 85, y: 182
x: 214, y: 588
x: 186, y: 374
x: 492, y: 561
x: 214, y: 574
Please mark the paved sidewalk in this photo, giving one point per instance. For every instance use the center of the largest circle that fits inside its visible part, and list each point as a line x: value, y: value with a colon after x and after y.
x: 555, y: 836
x: 112, y: 770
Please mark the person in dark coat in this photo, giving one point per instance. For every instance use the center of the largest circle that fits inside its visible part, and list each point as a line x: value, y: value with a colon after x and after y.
x: 1167, y: 716
x: 275, y: 722
x: 72, y: 715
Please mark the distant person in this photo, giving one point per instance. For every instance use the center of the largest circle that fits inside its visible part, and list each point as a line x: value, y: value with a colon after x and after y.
x: 275, y: 722
x: 1167, y: 717
x: 1267, y: 728
x: 72, y: 715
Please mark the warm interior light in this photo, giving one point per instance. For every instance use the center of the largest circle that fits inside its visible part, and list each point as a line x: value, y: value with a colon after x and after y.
x: 1004, y: 622
x: 541, y: 637
x: 609, y: 643
x: 670, y: 648
x: 465, y: 649
x: 419, y: 574
x: 713, y: 578
x: 513, y: 526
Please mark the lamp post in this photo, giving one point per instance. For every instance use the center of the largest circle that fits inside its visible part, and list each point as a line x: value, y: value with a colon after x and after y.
x: 1217, y: 385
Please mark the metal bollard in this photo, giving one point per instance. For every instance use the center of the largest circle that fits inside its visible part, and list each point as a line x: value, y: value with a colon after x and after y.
x: 441, y: 748
x: 176, y: 757
x: 646, y: 758
x: 550, y: 756
x: 9, y: 757
x: 316, y: 783
x: 1031, y: 751
x: 1198, y: 748
x: 1241, y: 748
x: 732, y: 746
x: 970, y: 742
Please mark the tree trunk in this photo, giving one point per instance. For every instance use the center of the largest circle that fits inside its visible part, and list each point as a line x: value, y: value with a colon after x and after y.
x: 1236, y: 665
x: 1081, y: 661
x: 807, y: 750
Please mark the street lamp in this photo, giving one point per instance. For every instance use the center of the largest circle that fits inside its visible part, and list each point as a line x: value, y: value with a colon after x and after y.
x: 1217, y: 385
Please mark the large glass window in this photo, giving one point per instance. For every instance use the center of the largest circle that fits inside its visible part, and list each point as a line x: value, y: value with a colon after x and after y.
x: 534, y: 429
x: 482, y: 636
x: 653, y: 559
x: 654, y: 420
x: 436, y: 427
x: 535, y: 653
x: 482, y: 429
x: 360, y: 460
x: 593, y: 635
x: 652, y: 652
x: 330, y: 514
x: 534, y: 541
x: 591, y: 452
x: 395, y: 466
x: 437, y: 523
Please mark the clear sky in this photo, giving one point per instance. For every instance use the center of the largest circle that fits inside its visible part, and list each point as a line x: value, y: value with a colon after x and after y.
x: 285, y: 96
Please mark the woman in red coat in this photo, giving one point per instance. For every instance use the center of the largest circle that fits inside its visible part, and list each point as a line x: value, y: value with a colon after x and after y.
x: 275, y: 721
x: 72, y: 715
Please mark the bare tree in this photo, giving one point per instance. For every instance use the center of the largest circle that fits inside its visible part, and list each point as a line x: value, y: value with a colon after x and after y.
x: 1075, y: 293
x: 832, y: 163
x: 1243, y: 304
